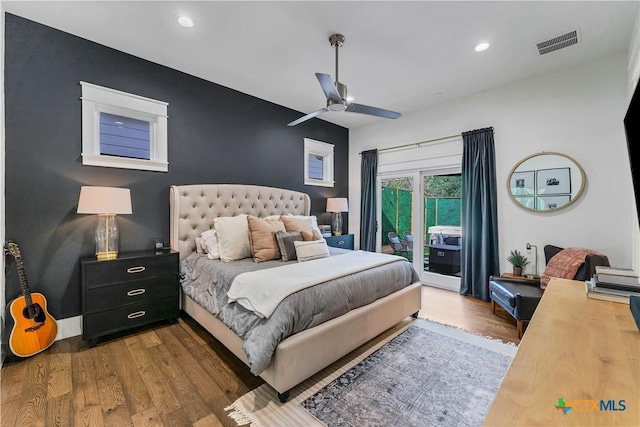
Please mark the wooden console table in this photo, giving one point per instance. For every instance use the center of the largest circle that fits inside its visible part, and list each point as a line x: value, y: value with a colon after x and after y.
x: 575, y: 348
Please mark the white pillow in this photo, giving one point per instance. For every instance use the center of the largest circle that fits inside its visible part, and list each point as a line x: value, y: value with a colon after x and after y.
x: 313, y: 249
x: 210, y: 244
x: 199, y: 248
x: 233, y: 237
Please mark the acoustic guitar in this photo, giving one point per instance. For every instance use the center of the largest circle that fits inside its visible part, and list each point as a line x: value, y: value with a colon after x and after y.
x: 34, y: 329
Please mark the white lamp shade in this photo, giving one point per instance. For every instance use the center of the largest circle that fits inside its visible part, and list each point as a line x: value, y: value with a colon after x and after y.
x: 337, y: 205
x: 104, y: 200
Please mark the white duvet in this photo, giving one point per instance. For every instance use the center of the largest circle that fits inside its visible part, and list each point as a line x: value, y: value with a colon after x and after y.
x: 262, y: 291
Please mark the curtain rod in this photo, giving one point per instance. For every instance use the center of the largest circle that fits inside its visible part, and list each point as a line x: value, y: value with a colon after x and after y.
x: 417, y: 144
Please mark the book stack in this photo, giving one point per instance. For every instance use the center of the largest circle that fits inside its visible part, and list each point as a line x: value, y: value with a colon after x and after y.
x: 613, y: 284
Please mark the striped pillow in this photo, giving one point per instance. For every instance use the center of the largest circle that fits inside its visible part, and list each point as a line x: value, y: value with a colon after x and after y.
x: 286, y: 241
x: 313, y: 249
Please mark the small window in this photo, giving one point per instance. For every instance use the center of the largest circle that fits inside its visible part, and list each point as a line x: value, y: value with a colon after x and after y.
x: 316, y: 168
x: 318, y: 163
x: 123, y: 130
x: 125, y: 137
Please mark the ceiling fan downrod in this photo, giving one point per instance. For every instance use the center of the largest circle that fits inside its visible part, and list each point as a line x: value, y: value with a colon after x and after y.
x: 337, y: 40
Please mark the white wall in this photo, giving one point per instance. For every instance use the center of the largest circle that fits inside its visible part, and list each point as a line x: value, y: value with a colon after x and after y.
x: 576, y: 111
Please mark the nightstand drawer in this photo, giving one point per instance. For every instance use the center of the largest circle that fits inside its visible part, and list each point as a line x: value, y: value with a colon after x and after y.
x: 113, y: 296
x: 344, y: 241
x: 124, y: 270
x: 129, y: 316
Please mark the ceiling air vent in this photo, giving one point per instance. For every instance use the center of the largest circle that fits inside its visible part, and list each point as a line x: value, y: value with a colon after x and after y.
x: 559, y: 42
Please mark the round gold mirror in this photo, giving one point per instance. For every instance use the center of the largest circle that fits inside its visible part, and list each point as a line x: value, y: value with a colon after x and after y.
x: 545, y: 182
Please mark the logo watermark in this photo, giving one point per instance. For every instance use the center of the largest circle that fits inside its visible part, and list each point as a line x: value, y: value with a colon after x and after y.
x: 584, y: 405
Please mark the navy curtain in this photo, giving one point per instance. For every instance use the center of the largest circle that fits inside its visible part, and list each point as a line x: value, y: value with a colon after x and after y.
x: 480, y: 257
x: 368, y: 226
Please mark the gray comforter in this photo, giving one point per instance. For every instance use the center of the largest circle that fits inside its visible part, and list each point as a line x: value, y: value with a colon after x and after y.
x: 207, y: 282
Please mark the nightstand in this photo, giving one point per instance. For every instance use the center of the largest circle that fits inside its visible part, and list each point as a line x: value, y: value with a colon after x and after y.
x: 132, y: 290
x: 344, y: 241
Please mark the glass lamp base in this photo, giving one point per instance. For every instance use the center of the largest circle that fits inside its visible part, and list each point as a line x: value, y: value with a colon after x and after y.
x: 107, y: 237
x: 336, y: 224
x: 106, y: 255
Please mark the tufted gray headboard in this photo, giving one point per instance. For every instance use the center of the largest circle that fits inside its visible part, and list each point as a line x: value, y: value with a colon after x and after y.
x: 193, y: 208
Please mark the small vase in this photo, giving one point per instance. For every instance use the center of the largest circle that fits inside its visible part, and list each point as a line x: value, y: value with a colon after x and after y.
x: 517, y: 271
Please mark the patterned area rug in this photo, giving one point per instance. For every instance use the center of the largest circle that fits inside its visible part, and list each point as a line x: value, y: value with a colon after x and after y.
x: 420, y: 373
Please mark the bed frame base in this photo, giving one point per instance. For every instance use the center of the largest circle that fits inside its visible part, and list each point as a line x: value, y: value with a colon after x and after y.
x: 305, y: 353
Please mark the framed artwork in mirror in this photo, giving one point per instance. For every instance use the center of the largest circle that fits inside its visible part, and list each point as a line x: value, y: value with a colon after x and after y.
x: 523, y: 183
x: 553, y: 181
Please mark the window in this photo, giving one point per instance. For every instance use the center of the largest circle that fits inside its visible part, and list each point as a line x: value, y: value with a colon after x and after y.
x: 122, y: 130
x: 318, y: 163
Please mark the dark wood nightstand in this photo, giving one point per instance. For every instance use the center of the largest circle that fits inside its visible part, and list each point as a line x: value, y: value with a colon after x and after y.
x: 344, y: 241
x: 132, y: 290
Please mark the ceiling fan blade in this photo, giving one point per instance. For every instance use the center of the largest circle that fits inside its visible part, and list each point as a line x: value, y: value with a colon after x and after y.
x: 328, y: 87
x: 307, y: 117
x: 372, y: 111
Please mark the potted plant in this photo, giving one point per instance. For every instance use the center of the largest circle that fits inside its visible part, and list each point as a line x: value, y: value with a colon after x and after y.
x: 518, y: 261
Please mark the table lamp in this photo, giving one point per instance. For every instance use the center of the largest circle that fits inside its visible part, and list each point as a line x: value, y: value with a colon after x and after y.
x: 535, y: 272
x: 106, y: 202
x: 337, y: 206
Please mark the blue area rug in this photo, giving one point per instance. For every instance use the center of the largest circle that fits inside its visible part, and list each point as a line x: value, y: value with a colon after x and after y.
x: 429, y: 375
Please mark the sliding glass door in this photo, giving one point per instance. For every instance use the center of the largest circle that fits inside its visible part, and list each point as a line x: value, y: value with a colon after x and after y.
x: 419, y: 219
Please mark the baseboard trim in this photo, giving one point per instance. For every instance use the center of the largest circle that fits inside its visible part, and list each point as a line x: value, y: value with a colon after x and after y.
x: 69, y: 327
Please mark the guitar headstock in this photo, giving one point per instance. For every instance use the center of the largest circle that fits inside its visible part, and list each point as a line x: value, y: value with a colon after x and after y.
x: 13, y: 249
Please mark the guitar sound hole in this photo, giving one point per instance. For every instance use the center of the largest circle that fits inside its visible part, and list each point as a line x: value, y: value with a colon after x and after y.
x: 34, y: 311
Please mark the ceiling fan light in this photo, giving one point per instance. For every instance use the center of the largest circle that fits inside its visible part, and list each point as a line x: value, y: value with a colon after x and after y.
x: 337, y: 107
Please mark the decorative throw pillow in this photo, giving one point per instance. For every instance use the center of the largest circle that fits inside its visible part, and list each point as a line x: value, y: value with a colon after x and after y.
x: 272, y: 217
x: 311, y: 234
x: 264, y: 245
x: 210, y: 242
x: 286, y: 245
x: 296, y: 224
x: 307, y: 251
x: 199, y: 248
x: 233, y: 237
x: 313, y: 218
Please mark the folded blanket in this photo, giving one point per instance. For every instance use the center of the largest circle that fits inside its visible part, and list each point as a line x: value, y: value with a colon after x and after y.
x: 565, y: 264
x: 261, y: 291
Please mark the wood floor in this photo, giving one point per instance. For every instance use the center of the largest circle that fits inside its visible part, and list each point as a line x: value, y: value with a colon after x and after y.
x: 169, y: 375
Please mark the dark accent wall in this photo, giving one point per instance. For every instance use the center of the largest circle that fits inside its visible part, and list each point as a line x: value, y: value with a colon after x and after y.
x: 216, y: 135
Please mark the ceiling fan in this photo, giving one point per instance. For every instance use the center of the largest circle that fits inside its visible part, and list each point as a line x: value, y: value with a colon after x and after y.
x: 336, y: 94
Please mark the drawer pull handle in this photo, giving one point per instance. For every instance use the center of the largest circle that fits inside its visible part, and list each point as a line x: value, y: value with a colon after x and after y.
x: 136, y: 314
x: 135, y: 292
x: 139, y: 269
x: 341, y: 242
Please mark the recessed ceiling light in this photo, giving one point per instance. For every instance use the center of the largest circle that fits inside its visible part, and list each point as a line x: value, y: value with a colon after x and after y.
x: 184, y: 21
x: 482, y: 46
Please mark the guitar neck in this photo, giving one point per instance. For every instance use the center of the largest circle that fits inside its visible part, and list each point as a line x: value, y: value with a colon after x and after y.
x: 26, y: 293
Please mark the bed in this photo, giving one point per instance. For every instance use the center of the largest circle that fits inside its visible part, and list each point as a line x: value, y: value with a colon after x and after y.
x: 297, y: 357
